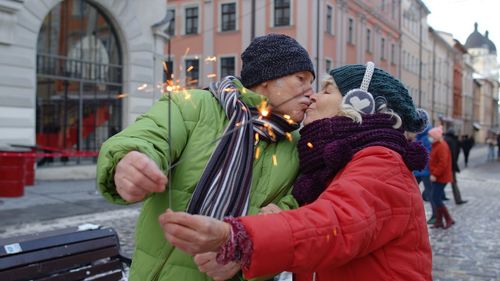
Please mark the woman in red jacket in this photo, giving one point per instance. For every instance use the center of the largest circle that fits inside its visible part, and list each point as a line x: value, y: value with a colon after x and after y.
x: 362, y: 215
x: 440, y: 165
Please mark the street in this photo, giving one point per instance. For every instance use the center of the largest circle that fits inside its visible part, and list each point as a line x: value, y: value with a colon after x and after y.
x: 466, y: 251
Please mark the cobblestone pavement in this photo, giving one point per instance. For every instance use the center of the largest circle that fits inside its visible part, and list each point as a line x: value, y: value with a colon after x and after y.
x: 470, y: 250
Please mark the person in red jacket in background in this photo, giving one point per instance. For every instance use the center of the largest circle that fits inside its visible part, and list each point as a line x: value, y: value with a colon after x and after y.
x: 440, y: 165
x: 362, y: 214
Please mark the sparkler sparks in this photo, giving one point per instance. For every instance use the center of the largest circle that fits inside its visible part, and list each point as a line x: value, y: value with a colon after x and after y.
x: 142, y: 87
x: 212, y: 75
x: 275, y: 161
x: 310, y: 145
x: 264, y: 109
x: 289, y: 137
x: 257, y: 153
x: 211, y: 59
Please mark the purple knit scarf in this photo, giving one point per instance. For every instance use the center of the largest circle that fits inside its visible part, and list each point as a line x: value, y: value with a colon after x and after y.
x: 327, y: 145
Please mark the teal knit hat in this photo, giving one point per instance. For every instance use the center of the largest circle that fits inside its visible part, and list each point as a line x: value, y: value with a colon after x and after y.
x: 382, y: 84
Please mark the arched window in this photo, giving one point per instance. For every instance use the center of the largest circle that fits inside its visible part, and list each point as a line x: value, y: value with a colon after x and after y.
x: 79, y: 79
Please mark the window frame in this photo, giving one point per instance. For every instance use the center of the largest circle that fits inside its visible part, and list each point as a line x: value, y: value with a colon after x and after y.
x: 382, y: 48
x: 330, y: 25
x: 273, y: 14
x: 229, y: 56
x: 351, y: 30
x: 186, y: 8
x: 221, y: 16
x: 186, y: 73
x: 369, y: 40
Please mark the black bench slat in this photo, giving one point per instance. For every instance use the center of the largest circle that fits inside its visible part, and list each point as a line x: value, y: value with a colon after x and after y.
x: 66, y: 254
x: 112, y: 277
x: 21, y: 258
x: 37, y: 242
x: 83, y: 273
x: 58, y: 265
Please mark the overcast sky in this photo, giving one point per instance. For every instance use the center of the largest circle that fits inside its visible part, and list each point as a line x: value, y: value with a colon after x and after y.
x: 458, y: 16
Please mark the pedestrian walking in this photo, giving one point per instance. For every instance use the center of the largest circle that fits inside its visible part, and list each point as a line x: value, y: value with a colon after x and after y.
x: 454, y: 144
x: 254, y: 163
x: 362, y: 216
x: 424, y: 175
x: 498, y: 146
x: 467, y: 144
x: 491, y: 148
x: 441, y: 174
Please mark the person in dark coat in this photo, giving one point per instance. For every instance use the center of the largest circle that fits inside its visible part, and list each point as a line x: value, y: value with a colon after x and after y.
x: 425, y: 174
x: 498, y: 145
x: 454, y: 144
x: 467, y: 144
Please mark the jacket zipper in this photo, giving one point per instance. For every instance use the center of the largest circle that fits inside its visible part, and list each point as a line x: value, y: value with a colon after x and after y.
x: 314, y: 276
x: 157, y: 273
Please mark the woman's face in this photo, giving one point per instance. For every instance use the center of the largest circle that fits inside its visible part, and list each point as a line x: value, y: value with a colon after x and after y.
x: 324, y: 104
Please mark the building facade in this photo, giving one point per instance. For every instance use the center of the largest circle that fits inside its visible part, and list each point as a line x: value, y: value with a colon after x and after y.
x: 416, y: 52
x: 468, y: 99
x: 75, y: 72
x: 441, y: 80
x: 207, y: 37
x: 483, y: 57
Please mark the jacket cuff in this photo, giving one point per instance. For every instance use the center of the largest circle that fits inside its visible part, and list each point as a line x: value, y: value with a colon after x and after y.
x: 270, y: 255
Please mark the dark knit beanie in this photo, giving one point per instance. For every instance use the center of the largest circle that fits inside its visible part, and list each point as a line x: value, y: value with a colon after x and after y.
x: 273, y: 56
x: 383, y: 84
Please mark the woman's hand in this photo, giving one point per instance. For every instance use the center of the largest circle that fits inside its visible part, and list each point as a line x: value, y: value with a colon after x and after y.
x: 194, y: 234
x: 270, y: 209
x: 207, y: 263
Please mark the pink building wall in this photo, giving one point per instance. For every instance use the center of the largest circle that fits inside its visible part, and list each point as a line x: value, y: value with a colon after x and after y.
x: 210, y: 42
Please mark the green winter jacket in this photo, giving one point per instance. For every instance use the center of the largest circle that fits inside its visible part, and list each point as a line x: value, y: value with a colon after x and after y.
x: 197, y: 121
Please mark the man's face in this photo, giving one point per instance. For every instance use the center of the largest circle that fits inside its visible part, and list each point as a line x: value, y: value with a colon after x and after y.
x: 289, y: 95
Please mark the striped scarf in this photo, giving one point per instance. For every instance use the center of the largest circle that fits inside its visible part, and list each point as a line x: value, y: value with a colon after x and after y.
x: 224, y: 187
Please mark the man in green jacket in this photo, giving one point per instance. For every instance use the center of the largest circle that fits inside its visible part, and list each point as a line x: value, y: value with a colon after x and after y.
x: 233, y: 147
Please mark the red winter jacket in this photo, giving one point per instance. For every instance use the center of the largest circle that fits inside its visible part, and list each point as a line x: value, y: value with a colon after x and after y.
x: 369, y: 224
x: 440, y: 163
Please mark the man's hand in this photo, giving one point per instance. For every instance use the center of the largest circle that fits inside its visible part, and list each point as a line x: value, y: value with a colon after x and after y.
x: 433, y: 178
x: 207, y: 263
x: 270, y: 209
x: 194, y: 234
x: 136, y: 176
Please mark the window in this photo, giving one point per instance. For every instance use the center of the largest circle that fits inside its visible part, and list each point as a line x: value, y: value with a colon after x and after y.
x: 192, y: 73
x: 228, y: 17
x: 394, y: 9
x: 382, y: 48
x: 281, y: 12
x: 227, y: 66
x: 368, y: 40
x: 328, y: 65
x: 393, y: 53
x: 171, y: 24
x: 192, y: 20
x: 329, y: 19
x: 404, y: 60
x: 168, y: 70
x: 350, y: 31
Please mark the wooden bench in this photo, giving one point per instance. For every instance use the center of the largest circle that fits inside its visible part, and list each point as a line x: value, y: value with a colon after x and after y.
x: 67, y: 254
